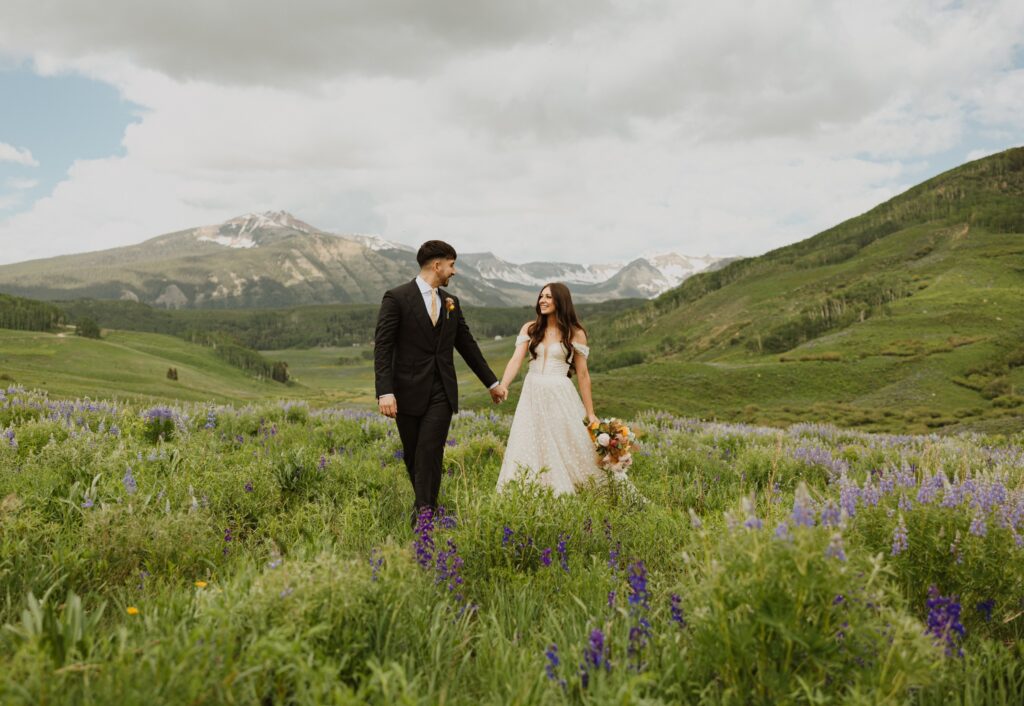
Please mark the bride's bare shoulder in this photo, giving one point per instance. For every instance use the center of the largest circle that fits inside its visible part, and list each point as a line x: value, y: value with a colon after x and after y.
x: 579, y: 336
x: 525, y: 330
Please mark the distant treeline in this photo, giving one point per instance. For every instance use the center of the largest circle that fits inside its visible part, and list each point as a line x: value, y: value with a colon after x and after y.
x: 298, y: 327
x: 29, y: 315
x: 244, y: 358
x: 835, y: 310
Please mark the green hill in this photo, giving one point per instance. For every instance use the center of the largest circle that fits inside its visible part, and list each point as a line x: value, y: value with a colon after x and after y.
x: 126, y: 365
x: 909, y: 316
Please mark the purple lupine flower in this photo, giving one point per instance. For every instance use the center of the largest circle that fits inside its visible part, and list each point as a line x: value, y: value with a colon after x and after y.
x: 782, y: 531
x: 978, y: 526
x: 835, y: 548
x: 160, y: 413
x: 613, y: 556
x: 638, y: 637
x: 449, y: 569
x: 803, y: 508
x: 228, y: 537
x: 248, y: 486
x: 849, y: 493
x: 899, y: 538
x: 451, y: 442
x: 399, y: 455
x: 424, y: 542
x: 87, y: 503
x: 611, y: 599
x: 953, y: 496
x: 445, y: 520
x: 638, y: 595
x: 753, y: 522
x: 545, y: 557
x: 130, y: 486
x: 676, y: 608
x: 506, y: 536
x: 607, y: 529
x: 985, y: 608
x: 323, y: 463
x: 376, y: 560
x: 596, y: 653
x: 553, y: 662
x: 954, y: 548
x: 211, y: 420
x: 870, y: 493
x: 288, y: 590
x: 563, y: 552
x: 944, y: 621
x: 695, y: 521
x: 830, y: 515
x: 905, y: 504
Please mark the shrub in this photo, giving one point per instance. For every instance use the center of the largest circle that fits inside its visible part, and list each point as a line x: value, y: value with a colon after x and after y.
x: 88, y: 328
x: 776, y: 620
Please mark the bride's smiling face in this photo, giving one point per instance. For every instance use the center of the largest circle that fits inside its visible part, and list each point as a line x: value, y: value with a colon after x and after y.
x: 546, y: 302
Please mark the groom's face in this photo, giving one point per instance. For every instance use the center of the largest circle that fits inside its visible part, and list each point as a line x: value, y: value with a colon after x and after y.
x: 444, y: 270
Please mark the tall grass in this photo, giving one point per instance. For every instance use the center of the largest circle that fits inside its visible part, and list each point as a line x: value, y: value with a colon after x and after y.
x: 262, y: 554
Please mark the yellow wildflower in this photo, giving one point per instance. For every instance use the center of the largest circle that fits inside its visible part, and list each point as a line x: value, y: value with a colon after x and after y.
x: 200, y: 584
x: 132, y: 610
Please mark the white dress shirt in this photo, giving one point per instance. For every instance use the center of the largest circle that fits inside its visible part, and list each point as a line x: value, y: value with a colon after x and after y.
x: 425, y: 290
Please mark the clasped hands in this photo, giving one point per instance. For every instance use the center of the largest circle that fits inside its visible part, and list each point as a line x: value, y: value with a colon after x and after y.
x: 499, y: 393
x: 389, y: 406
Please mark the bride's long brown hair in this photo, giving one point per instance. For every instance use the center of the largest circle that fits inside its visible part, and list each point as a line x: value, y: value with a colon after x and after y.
x: 565, y: 319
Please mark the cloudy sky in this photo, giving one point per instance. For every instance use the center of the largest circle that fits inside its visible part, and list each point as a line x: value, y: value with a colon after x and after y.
x: 577, y: 130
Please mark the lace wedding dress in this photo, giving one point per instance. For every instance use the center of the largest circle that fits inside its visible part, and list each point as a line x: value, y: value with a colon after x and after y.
x: 549, y: 443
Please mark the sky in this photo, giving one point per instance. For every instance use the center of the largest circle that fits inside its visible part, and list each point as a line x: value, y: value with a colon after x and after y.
x: 587, y: 131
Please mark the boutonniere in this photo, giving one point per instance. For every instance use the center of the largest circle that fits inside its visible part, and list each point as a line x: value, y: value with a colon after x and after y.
x: 449, y: 305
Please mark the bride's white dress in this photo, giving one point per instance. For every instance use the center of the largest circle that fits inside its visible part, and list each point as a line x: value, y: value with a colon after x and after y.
x: 549, y: 443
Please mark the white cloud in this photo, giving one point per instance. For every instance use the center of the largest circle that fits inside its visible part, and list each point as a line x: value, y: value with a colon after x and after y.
x: 10, y: 153
x: 571, y: 131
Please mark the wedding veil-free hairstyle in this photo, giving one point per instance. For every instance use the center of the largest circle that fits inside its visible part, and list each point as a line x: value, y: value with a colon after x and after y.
x: 565, y: 319
x: 433, y: 249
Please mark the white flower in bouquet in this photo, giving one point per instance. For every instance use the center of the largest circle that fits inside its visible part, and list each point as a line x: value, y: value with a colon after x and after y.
x: 604, y: 440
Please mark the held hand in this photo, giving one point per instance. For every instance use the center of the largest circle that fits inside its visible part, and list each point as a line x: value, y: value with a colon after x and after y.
x: 592, y: 418
x: 498, y: 394
x: 388, y: 405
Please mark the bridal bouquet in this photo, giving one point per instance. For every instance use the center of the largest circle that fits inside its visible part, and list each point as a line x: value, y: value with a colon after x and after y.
x: 613, y: 442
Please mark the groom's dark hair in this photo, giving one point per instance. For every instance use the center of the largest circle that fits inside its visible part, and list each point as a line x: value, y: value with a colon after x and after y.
x: 433, y: 249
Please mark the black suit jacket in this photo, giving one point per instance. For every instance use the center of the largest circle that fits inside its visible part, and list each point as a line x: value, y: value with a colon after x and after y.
x: 408, y: 352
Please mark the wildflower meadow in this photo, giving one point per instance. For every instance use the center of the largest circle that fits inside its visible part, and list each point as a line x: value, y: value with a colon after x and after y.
x: 203, y: 554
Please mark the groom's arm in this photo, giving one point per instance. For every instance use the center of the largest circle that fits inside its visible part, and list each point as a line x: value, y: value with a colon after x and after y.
x: 388, y: 319
x: 467, y: 347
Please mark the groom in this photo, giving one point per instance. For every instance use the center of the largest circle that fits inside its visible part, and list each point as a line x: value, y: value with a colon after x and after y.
x: 418, y: 326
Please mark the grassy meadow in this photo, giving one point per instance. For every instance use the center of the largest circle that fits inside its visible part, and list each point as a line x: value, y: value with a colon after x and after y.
x: 205, y: 553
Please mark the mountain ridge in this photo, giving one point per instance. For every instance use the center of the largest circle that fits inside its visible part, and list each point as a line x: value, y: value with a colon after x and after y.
x: 275, y: 259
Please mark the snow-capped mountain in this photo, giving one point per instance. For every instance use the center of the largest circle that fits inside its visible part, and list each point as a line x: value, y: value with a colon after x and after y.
x: 645, y: 277
x: 275, y: 259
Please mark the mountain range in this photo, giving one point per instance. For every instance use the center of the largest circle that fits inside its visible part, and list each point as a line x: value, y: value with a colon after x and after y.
x: 274, y: 259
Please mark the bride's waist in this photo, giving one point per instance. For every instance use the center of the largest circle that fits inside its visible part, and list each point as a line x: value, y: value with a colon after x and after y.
x: 549, y: 374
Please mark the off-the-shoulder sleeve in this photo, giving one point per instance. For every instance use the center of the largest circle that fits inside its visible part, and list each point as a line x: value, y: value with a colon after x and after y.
x: 520, y: 339
x: 582, y: 349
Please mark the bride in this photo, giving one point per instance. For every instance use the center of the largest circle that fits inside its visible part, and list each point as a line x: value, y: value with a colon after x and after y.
x: 549, y: 443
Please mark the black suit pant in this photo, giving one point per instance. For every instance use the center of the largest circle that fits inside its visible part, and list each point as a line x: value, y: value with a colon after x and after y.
x: 423, y: 438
